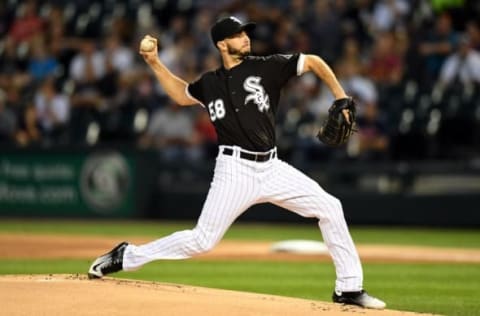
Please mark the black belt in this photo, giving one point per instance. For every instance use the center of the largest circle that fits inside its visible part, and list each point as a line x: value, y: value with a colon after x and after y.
x: 249, y: 156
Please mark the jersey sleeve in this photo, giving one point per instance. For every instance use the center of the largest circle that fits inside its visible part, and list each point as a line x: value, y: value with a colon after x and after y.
x: 195, y: 91
x: 286, y: 66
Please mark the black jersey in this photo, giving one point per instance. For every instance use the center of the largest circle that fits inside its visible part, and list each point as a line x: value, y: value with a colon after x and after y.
x: 242, y: 101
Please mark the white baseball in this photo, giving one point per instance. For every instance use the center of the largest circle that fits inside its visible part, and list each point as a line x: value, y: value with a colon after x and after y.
x: 147, y: 45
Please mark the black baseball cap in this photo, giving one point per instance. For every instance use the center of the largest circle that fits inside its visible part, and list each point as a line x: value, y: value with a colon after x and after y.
x: 229, y: 26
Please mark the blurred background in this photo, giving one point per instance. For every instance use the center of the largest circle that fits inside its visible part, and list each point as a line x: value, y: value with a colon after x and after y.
x: 86, y: 131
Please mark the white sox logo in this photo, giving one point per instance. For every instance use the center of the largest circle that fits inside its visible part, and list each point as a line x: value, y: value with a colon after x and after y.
x: 257, y: 93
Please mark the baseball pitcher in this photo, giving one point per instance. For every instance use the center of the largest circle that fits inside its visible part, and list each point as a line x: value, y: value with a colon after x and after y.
x: 241, y: 98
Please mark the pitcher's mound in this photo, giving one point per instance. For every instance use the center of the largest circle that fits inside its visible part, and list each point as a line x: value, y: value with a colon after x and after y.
x: 76, y: 295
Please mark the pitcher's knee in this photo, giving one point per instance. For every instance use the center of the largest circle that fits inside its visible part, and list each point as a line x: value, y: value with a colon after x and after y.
x: 204, y: 242
x: 332, y: 209
x: 336, y: 207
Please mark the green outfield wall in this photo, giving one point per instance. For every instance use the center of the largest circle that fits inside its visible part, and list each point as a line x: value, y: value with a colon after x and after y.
x: 67, y: 183
x: 128, y: 183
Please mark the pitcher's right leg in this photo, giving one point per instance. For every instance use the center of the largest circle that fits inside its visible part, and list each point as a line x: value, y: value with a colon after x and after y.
x: 233, y: 190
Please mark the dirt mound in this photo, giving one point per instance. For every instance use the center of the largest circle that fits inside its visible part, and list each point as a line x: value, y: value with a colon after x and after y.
x: 76, y: 295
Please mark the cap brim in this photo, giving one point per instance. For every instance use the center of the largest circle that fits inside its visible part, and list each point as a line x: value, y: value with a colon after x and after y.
x: 248, y: 27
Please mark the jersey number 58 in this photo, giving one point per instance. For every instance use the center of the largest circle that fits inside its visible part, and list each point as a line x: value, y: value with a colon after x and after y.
x: 216, y: 109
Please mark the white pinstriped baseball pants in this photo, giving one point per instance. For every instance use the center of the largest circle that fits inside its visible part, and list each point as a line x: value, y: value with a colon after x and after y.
x: 238, y: 184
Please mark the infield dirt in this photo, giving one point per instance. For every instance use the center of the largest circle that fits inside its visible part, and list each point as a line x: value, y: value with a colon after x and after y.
x: 18, y: 246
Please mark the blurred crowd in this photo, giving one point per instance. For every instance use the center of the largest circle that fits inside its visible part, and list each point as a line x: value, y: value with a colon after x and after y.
x: 70, y: 74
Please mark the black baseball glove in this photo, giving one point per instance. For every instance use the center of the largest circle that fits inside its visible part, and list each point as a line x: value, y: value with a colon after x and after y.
x: 337, y: 128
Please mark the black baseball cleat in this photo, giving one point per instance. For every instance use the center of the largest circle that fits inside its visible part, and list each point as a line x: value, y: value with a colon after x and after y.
x: 360, y: 298
x: 108, y: 263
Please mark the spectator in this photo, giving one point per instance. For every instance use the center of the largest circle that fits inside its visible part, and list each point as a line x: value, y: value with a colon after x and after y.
x: 88, y: 65
x: 371, y: 141
x: 52, y: 111
x: 24, y: 112
x: 352, y: 53
x: 177, y: 28
x: 305, y: 147
x: 8, y: 122
x: 437, y: 45
x: 325, y: 28
x: 29, y: 133
x: 473, y: 33
x: 317, y: 97
x: 59, y: 44
x: 42, y: 64
x: 12, y: 68
x: 386, y: 65
x: 298, y: 11
x: 5, y: 20
x: 355, y: 19
x: 27, y: 25
x: 119, y: 55
x: 301, y: 41
x: 144, y: 91
x: 389, y: 14
x: 172, y: 55
x: 87, y: 69
x: 463, y: 66
x: 355, y: 84
x: 202, y: 22
x: 210, y: 61
x: 172, y: 132
x: 118, y: 63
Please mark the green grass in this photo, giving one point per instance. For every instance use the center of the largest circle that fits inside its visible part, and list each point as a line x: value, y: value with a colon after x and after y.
x: 433, y: 288
x: 448, y: 289
x: 154, y: 229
